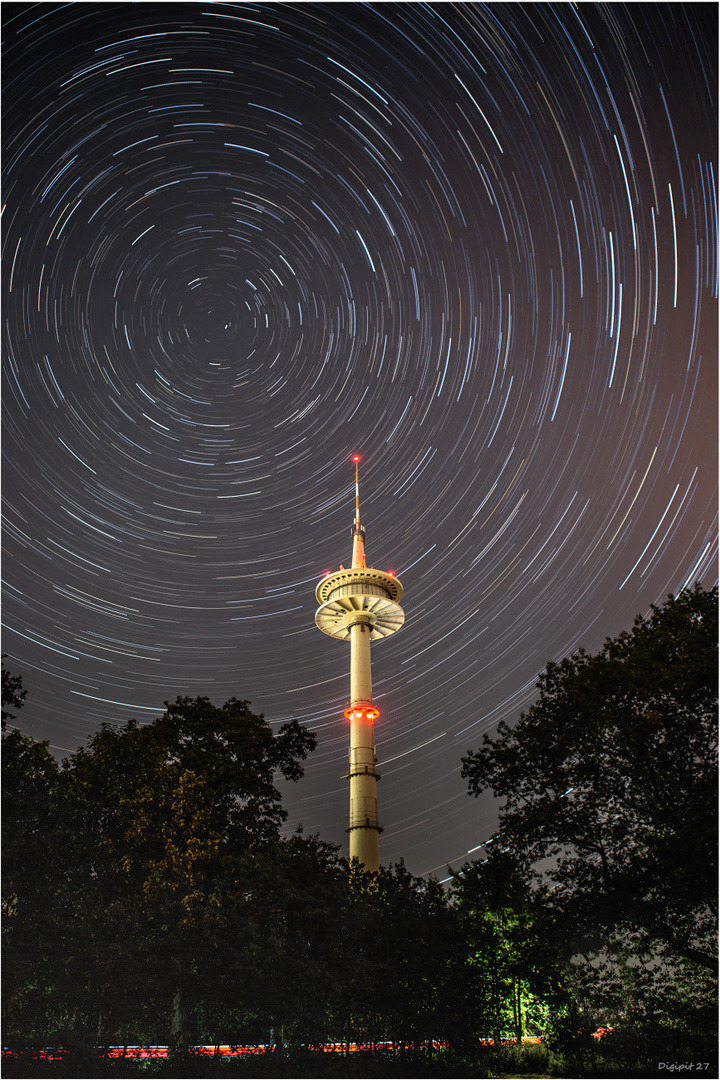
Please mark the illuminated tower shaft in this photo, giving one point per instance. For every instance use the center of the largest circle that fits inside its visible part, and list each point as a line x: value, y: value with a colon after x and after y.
x: 360, y: 605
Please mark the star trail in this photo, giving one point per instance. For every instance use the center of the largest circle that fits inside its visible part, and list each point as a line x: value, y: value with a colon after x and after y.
x: 474, y: 243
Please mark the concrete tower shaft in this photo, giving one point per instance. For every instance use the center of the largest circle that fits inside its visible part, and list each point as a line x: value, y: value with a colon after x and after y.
x: 361, y: 605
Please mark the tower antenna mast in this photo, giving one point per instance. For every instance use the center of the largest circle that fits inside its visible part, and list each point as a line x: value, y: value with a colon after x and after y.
x: 361, y: 605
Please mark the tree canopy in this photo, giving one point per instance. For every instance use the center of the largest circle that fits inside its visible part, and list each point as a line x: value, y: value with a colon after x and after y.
x: 147, y: 858
x: 12, y: 693
x: 610, y: 783
x: 163, y: 904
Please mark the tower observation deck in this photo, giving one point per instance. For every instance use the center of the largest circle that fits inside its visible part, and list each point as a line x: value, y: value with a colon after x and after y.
x: 361, y: 605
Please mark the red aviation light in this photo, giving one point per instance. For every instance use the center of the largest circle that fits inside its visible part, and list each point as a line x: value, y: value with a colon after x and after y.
x: 362, y: 712
x: 356, y: 457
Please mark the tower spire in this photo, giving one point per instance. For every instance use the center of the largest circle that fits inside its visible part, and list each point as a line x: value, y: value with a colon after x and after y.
x: 358, y: 533
x: 361, y: 605
x: 357, y: 489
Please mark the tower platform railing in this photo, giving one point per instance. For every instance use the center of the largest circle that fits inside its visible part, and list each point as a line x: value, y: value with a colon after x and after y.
x: 362, y: 821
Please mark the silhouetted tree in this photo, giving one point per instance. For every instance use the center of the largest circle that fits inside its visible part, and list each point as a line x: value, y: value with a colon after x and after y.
x: 402, y: 962
x: 29, y: 776
x: 12, y: 693
x: 300, y: 897
x: 160, y: 830
x: 611, y: 778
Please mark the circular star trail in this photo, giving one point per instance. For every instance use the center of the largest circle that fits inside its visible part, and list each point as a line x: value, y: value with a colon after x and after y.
x: 474, y: 243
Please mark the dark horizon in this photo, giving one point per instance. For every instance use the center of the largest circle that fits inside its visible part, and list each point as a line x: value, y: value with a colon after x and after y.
x: 475, y: 244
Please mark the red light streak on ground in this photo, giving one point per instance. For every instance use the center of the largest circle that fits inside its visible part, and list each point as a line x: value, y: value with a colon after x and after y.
x: 58, y: 1053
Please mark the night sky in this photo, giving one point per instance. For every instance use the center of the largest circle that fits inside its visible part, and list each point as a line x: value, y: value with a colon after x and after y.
x: 474, y: 243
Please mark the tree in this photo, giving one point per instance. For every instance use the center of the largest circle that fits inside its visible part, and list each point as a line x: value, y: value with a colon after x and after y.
x: 515, y: 971
x: 161, y: 829
x: 12, y: 693
x: 400, y: 964
x: 612, y: 774
x: 29, y: 774
x: 300, y: 895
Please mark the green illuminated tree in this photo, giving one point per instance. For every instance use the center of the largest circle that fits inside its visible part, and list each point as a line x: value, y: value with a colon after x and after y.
x: 515, y: 971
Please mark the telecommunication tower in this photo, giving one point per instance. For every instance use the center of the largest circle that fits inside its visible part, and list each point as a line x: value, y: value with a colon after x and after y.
x: 360, y: 605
